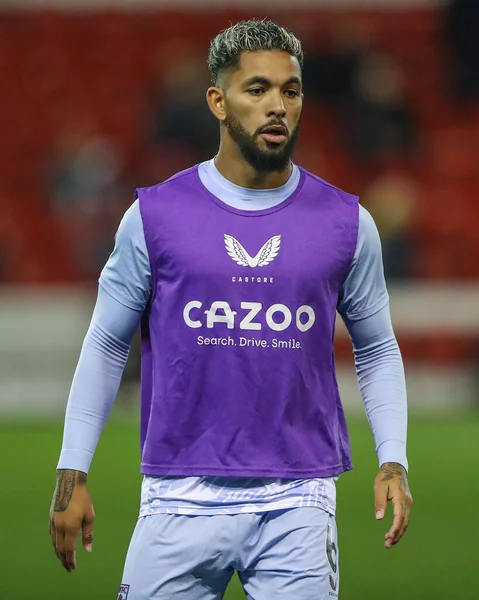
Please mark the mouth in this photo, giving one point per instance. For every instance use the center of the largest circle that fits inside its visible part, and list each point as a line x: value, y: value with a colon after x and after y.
x: 275, y: 134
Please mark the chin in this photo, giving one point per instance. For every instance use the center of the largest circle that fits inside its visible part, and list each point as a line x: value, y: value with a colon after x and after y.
x: 276, y: 151
x: 273, y: 150
x: 278, y: 155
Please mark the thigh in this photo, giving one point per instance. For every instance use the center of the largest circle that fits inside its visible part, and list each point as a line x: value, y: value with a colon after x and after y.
x: 296, y: 557
x: 177, y: 556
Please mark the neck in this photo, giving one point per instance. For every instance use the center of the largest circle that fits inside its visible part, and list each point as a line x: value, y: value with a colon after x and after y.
x: 230, y: 163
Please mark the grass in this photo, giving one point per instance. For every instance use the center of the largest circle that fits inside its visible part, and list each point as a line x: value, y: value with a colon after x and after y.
x: 437, y: 560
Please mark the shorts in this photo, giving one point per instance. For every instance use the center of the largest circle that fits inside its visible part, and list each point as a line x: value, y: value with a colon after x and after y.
x: 279, y: 555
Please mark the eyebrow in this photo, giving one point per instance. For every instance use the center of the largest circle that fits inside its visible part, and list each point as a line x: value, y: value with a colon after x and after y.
x: 265, y: 81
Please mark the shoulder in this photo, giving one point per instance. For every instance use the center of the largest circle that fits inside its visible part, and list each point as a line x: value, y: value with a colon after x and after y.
x: 182, y: 179
x: 368, y: 234
x: 130, y: 236
x: 131, y: 223
x: 323, y: 185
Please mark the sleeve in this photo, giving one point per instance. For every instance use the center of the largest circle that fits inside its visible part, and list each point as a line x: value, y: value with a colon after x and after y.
x: 127, y: 274
x: 124, y: 291
x: 382, y: 384
x: 97, y: 379
x: 364, y: 291
x: 364, y: 307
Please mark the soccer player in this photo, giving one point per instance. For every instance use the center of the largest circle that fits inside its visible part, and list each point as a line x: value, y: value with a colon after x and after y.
x: 235, y: 269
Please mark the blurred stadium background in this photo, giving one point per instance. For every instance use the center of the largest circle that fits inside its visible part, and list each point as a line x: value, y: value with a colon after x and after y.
x: 100, y: 96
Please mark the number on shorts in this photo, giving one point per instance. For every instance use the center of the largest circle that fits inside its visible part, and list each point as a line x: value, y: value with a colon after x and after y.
x: 331, y: 550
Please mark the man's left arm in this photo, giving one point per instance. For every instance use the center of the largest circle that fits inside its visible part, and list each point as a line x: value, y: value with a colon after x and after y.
x: 364, y: 307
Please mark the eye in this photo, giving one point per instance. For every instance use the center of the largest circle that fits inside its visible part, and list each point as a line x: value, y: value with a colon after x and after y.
x: 292, y: 93
x: 255, y: 91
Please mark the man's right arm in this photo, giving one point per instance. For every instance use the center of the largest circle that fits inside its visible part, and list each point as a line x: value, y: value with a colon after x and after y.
x: 123, y: 294
x: 96, y: 381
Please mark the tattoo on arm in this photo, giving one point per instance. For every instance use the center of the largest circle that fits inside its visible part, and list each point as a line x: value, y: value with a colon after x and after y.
x: 66, y: 482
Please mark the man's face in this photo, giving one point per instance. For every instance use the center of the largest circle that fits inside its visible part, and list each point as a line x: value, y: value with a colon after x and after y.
x: 263, y: 102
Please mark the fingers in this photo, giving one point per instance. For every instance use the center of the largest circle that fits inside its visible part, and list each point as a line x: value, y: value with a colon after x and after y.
x: 406, y: 517
x: 60, y: 549
x: 380, y: 500
x: 87, y: 532
x: 69, y: 545
x: 402, y: 507
x: 53, y: 535
x: 392, y: 536
x: 64, y: 544
x: 405, y: 526
x: 59, y: 544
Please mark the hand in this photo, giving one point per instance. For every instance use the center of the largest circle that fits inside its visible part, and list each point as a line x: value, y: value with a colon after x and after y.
x: 392, y: 485
x: 71, y: 510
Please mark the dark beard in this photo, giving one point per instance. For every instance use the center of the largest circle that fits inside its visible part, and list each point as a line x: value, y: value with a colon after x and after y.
x: 263, y: 161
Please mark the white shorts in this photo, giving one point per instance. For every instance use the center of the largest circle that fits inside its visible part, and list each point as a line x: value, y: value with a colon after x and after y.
x: 279, y: 555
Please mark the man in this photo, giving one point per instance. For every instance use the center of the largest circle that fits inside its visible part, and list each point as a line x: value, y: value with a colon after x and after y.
x: 235, y: 269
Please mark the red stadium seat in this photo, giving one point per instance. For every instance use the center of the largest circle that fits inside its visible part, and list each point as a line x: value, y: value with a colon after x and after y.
x: 57, y: 66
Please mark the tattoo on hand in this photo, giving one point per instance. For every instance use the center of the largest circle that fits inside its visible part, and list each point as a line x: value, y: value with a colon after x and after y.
x: 66, y: 481
x: 393, y: 470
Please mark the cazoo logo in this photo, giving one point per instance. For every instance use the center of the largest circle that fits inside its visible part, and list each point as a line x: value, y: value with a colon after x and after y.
x: 278, y: 316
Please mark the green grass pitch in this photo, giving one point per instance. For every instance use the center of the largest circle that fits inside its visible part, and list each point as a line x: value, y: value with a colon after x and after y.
x: 437, y: 560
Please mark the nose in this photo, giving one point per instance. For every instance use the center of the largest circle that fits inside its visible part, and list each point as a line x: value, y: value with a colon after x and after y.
x: 277, y: 108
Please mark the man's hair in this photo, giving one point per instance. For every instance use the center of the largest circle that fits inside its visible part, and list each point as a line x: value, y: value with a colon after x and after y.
x: 249, y: 36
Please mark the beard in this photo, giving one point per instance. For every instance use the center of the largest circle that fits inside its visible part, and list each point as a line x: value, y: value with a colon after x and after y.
x: 274, y: 158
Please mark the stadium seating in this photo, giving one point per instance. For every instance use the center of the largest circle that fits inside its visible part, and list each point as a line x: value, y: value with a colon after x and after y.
x: 54, y: 65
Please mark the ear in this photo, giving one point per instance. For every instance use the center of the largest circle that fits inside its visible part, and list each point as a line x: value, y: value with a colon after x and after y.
x: 215, y: 97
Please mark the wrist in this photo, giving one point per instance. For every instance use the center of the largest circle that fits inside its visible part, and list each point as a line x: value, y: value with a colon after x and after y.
x: 79, y: 477
x: 393, y: 465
